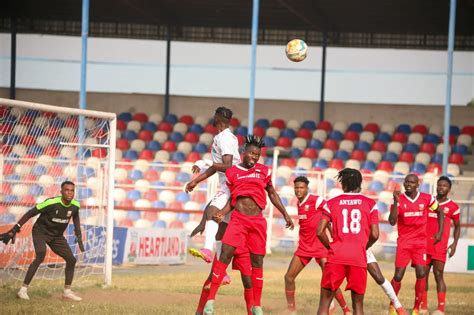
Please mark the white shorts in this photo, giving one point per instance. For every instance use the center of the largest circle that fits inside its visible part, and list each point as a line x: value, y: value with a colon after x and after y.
x: 370, y: 257
x: 220, y: 199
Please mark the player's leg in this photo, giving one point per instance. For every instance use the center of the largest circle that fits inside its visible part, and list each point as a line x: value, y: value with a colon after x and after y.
x: 257, y: 280
x: 338, y: 294
x: 211, y: 227
x: 61, y: 248
x: 420, y: 284
x: 219, y: 235
x: 438, y: 270
x: 257, y: 241
x: 333, y: 276
x: 424, y: 298
x: 376, y: 274
x: 295, y: 267
x: 357, y: 303
x: 325, y: 298
x: 39, y: 243
x: 248, y: 291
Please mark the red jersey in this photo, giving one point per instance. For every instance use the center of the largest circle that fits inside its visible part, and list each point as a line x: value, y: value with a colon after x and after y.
x: 310, y: 212
x: 249, y: 183
x: 451, y: 212
x: 413, y: 217
x: 351, y: 215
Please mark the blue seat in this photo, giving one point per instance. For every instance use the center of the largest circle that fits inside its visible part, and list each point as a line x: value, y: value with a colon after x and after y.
x: 200, y: 148
x: 135, y: 174
x: 11, y: 139
x: 10, y: 198
x: 357, y: 127
x: 171, y: 118
x: 376, y: 186
x: 149, y: 126
x: 176, y: 137
x: 131, y: 155
x: 454, y: 130
x: 368, y: 165
x: 342, y: 155
x: 315, y: 144
x: 35, y: 150
x: 263, y: 123
x: 183, y: 177
x: 336, y: 135
x: 362, y: 146
x: 84, y: 193
x: 412, y: 148
x: 129, y: 135
x: 320, y: 163
x: 32, y: 113
x: 183, y: 216
x: 437, y: 158
x: 280, y: 181
x: 36, y: 190
x: 125, y: 116
x: 431, y: 138
x: 157, y: 166
x: 153, y: 145
x: 284, y: 201
x: 288, y: 133
x: 418, y: 168
x: 178, y: 156
x: 404, y: 128
x: 384, y: 137
x: 56, y: 122
x: 269, y: 142
x: 13, y: 177
x: 158, y: 204
x: 461, y: 149
x: 36, y: 131
x: 134, y: 215
x: 182, y: 197
x: 309, y: 124
x: 299, y: 171
x: 425, y: 187
x: 56, y: 141
x: 7, y: 218
x: 196, y: 128
x: 295, y: 153
x: 268, y: 161
x: 390, y: 156
x: 134, y: 194
x: 330, y: 183
x: 159, y: 224
x: 242, y: 131
x: 382, y: 206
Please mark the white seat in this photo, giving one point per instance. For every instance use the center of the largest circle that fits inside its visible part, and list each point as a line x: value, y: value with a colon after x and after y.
x: 244, y: 122
x: 20, y: 130
x: 44, y: 141
x: 353, y: 164
x: 67, y: 132
x: 162, y: 156
x: 284, y: 171
x: 340, y: 126
x: 137, y: 145
x: 168, y: 177
x: 67, y: 152
x: 423, y: 158
x: 416, y: 138
x: 388, y: 128
x: 334, y: 192
x: 20, y: 190
x: 45, y: 160
x: 118, y: 154
x: 273, y: 132
x: 386, y: 197
x: 185, y: 147
x: 119, y: 195
x: 395, y: 147
x: 287, y: 191
x: 299, y: 143
x: 167, y: 196
x: 180, y: 127
x: 305, y: 163
x: 464, y: 139
x: 326, y: 154
x: 155, y: 118
x: 440, y: 148
x: 381, y: 176
x: 453, y: 169
x: 320, y: 135
x: 367, y: 136
x: 120, y: 174
x: 402, y: 167
x: 202, y: 120
x: 142, y: 185
x: 160, y: 136
x: 141, y: 165
x: 330, y: 172
x: 436, y: 129
x: 142, y: 223
x: 47, y: 180
x: 134, y: 125
x: 374, y: 156
x: 206, y: 138
x: 346, y: 145
x: 293, y: 124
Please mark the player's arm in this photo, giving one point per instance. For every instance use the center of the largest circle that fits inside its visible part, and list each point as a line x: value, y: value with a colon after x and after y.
x: 456, y: 235
x: 219, y: 216
x: 392, y: 218
x: 373, y: 236
x: 202, y: 225
x: 77, y: 230
x: 10, y: 235
x: 321, y: 231
x: 203, y: 176
x: 276, y: 201
x: 439, y: 235
x: 212, y: 168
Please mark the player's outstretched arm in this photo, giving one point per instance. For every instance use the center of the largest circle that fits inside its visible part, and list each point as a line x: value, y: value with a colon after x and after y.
x: 77, y: 230
x: 392, y: 218
x: 276, y: 201
x: 10, y: 235
x: 321, y: 232
x: 373, y: 236
x: 219, y: 216
x: 203, y: 176
x: 439, y: 235
x: 226, y: 163
x: 456, y: 235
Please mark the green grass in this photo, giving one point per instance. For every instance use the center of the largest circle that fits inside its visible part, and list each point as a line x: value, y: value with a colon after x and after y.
x: 175, y: 290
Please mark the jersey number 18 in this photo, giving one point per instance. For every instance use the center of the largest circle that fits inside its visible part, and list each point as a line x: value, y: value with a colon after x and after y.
x: 354, y: 225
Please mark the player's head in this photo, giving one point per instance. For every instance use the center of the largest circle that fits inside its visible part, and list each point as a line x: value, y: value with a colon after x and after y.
x: 350, y: 179
x: 443, y: 186
x: 222, y: 117
x: 411, y: 183
x: 252, y: 147
x: 67, y: 190
x: 301, y: 186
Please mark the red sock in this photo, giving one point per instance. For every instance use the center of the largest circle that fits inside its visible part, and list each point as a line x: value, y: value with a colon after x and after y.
x: 424, y: 301
x: 218, y: 272
x: 290, y: 299
x: 204, y: 295
x: 342, y: 302
x: 441, y: 301
x: 420, y: 286
x: 396, y: 286
x: 249, y: 301
x: 257, y: 283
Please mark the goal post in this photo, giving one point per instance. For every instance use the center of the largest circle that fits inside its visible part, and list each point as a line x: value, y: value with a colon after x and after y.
x: 40, y: 146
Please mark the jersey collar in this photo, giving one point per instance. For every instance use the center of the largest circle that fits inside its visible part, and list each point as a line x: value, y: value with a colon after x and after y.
x: 245, y: 169
x: 444, y: 202
x: 304, y: 200
x: 412, y: 200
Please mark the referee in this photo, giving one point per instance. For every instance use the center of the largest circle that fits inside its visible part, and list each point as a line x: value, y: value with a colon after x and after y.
x: 55, y: 214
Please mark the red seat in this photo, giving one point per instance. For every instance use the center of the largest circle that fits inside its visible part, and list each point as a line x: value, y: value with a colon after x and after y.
x: 127, y: 222
x: 28, y: 140
x: 468, y: 130
x: 152, y: 175
x: 351, y: 135
x: 263, y: 151
x: 49, y: 114
x: 434, y: 168
x: 176, y: 205
x: 128, y: 164
x: 385, y: 166
x: 331, y: 144
x: 121, y: 125
x: 141, y: 117
x: 406, y: 157
x: 6, y: 128
x: 210, y: 129
x: 456, y: 158
x: 337, y: 164
x: 358, y: 155
x: 234, y: 122
x: 193, y: 157
x: 290, y: 162
x: 176, y: 225
x: 278, y: 123
x: 150, y: 215
x: 379, y: 146
x: 400, y: 137
x: 146, y: 155
x: 169, y: 146
x: 187, y: 119
x: 393, y: 185
x: 150, y: 195
x: 429, y: 148
x: 191, y: 137
x: 420, y: 129
x: 310, y: 153
x: 73, y: 122
x: 123, y: 144
x: 52, y: 131
x: 284, y: 142
x: 99, y: 153
x: 145, y: 135
x: 240, y: 138
x: 258, y: 131
x: 55, y: 169
x: 452, y: 139
x: 324, y: 125
x: 51, y: 151
x: 304, y: 133
x: 372, y: 127
x: 26, y: 120
x: 165, y: 126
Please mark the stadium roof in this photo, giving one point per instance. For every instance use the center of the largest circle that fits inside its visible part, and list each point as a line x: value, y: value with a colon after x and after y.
x: 421, y: 24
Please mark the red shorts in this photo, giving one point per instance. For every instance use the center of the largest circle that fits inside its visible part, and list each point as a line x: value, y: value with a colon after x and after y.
x: 334, y: 274
x: 305, y: 260
x: 241, y: 261
x: 414, y: 252
x: 247, y: 232
x: 436, y: 251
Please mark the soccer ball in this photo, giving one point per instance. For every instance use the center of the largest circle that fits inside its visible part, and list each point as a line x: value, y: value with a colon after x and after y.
x: 296, y: 50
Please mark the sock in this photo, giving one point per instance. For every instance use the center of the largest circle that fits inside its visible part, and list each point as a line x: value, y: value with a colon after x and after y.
x: 66, y: 291
x: 23, y: 289
x: 249, y: 300
x: 218, y: 248
x: 396, y: 286
x: 420, y: 286
x: 441, y: 301
x: 390, y: 292
x: 210, y: 237
x: 218, y: 272
x: 257, y: 283
x: 424, y: 301
x: 204, y: 295
x: 342, y: 302
x: 290, y: 299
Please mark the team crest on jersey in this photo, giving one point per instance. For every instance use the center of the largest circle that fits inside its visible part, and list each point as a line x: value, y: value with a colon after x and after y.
x: 446, y: 210
x: 422, y: 206
x: 69, y: 213
x: 306, y: 208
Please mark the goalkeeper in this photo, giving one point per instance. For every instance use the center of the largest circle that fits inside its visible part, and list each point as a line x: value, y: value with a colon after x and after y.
x: 49, y: 228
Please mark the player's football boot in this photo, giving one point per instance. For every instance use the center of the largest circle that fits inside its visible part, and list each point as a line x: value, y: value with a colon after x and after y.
x: 69, y: 295
x: 415, y: 312
x: 226, y: 280
x: 392, y: 310
x: 203, y: 253
x: 209, y: 307
x: 401, y: 311
x: 256, y: 310
x: 22, y: 294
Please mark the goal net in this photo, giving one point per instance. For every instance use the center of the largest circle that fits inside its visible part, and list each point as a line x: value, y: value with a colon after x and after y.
x: 42, y: 146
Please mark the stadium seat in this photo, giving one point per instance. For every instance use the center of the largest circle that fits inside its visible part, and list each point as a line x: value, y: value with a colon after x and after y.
x: 299, y: 143
x: 418, y: 168
x: 440, y: 148
x: 180, y: 127
x: 369, y: 166
x: 431, y: 138
x: 295, y: 152
x: 263, y: 123
x: 437, y: 158
x: 169, y: 145
x: 353, y: 164
x: 320, y: 135
x: 305, y: 163
x: 381, y: 176
x: 342, y: 155
x: 416, y: 138
x: 269, y: 142
x: 309, y: 124
x: 123, y: 144
x: 379, y: 146
x: 146, y: 155
x: 390, y: 156
x: 137, y: 145
x: 320, y: 164
x: 404, y: 128
x: 434, y: 168
x: 374, y: 156
x: 346, y: 145
x: 351, y: 135
x: 284, y: 142
x: 162, y: 156
x: 315, y: 144
x: 288, y: 133
x: 406, y: 157
x: 465, y: 139
x: 412, y: 148
x: 278, y: 123
x: 165, y: 126
x: 423, y: 158
x: 401, y: 167
x: 304, y: 133
x: 130, y: 155
x: 428, y: 148
x: 331, y: 144
x: 129, y: 135
x: 293, y: 124
x: 160, y: 136
x: 456, y: 158
x: 358, y: 155
x: 357, y: 127
x: 376, y: 186
x: 387, y: 128
x: 258, y: 131
x: 340, y: 126
x: 422, y: 129
x: 385, y: 166
x: 126, y: 116
x: 367, y: 136
x: 468, y: 130
x: 310, y: 153
x: 383, y: 137
x: 337, y: 164
x: 335, y: 135
x: 242, y: 130
x: 324, y: 125
x: 362, y: 146
x: 400, y: 137
x: 461, y: 149
x: 290, y: 162
x: 196, y: 128
x: 453, y: 169
x: 372, y: 127
x: 273, y: 132
x: 186, y: 119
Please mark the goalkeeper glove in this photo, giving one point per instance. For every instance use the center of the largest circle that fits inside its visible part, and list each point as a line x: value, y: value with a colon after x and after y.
x: 79, y: 241
x: 10, y: 235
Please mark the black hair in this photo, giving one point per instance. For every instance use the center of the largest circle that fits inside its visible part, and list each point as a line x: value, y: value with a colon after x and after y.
x: 255, y: 141
x: 68, y: 182
x: 445, y: 178
x: 224, y: 113
x: 301, y: 179
x: 350, y: 178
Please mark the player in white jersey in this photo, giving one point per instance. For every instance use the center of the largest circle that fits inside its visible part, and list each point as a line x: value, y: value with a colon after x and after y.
x: 225, y: 153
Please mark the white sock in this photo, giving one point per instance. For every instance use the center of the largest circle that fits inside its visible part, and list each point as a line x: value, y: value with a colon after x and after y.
x: 218, y: 248
x: 23, y: 289
x: 66, y: 291
x: 210, y: 237
x: 388, y: 289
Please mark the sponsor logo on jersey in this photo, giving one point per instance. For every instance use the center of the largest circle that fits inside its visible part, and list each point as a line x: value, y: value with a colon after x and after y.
x: 69, y: 213
x: 253, y: 175
x: 57, y: 220
x: 413, y: 214
x: 421, y: 206
x: 302, y: 216
x: 306, y: 208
